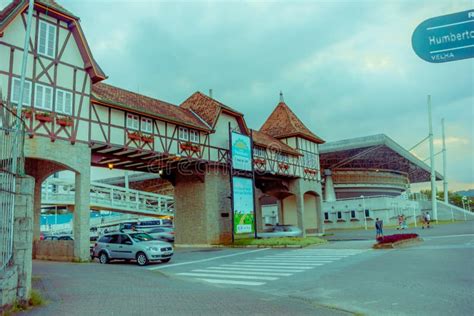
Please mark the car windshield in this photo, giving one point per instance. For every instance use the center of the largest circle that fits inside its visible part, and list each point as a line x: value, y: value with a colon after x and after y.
x: 141, y: 237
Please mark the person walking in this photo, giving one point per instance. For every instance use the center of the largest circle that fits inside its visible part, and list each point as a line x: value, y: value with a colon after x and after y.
x: 378, y: 228
x: 426, y: 220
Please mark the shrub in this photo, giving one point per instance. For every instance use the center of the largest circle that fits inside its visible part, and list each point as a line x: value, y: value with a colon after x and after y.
x: 395, y: 238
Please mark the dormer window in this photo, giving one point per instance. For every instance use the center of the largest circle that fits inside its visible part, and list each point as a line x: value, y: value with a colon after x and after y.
x: 146, y: 125
x: 183, y: 133
x: 133, y: 122
x: 47, y: 39
x: 194, y: 136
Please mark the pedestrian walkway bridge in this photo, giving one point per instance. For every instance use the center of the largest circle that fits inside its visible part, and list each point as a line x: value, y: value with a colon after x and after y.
x: 104, y: 197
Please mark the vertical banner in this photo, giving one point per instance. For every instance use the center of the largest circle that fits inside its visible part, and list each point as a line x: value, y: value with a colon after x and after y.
x: 243, y: 205
x: 241, y: 152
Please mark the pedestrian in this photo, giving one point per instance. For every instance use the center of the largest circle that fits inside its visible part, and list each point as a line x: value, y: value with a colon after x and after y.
x: 400, y: 222
x: 427, y: 219
x: 404, y: 222
x: 378, y: 228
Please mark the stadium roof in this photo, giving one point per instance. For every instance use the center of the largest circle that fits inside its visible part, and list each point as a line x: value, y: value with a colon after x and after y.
x: 374, y: 152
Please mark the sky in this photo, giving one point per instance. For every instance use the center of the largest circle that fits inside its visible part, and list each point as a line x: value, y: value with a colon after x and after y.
x: 346, y: 68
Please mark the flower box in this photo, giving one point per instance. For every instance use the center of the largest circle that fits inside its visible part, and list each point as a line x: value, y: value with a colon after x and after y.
x: 43, y: 117
x: 189, y: 147
x: 354, y: 220
x: 134, y: 136
x: 327, y: 221
x: 283, y: 166
x: 64, y: 121
x: 25, y: 113
x: 147, y: 139
x: 310, y: 171
x: 341, y: 220
x: 259, y: 161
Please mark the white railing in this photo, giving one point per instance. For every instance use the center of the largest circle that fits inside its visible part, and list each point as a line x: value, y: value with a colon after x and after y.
x: 56, y: 191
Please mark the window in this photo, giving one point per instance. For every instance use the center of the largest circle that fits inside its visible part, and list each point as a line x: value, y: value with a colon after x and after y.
x: 124, y: 239
x: 194, y: 136
x: 353, y: 214
x: 63, y: 102
x: 15, y: 96
x: 132, y: 121
x: 367, y: 213
x: 339, y: 215
x: 47, y: 39
x: 147, y: 125
x: 43, y: 97
x: 183, y: 133
x: 326, y: 216
x: 259, y: 151
x: 283, y: 157
x: 310, y: 160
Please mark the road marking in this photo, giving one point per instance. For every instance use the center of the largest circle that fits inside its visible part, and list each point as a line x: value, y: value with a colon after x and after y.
x: 206, y: 260
x: 289, y: 263
x: 256, y: 269
x: 246, y: 277
x: 449, y: 236
x: 304, y: 258
x: 232, y: 282
x: 286, y: 261
x: 214, y: 270
x: 269, y: 266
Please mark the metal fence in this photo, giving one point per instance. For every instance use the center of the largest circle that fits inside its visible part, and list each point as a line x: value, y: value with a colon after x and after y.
x: 11, y: 140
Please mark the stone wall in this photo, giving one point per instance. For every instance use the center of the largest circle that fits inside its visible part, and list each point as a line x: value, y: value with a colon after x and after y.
x: 55, y: 250
x: 15, y: 281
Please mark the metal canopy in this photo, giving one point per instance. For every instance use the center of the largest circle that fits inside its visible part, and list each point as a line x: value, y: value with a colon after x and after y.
x: 372, y: 153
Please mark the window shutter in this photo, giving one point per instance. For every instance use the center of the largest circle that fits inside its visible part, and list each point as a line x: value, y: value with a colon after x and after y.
x: 60, y: 101
x: 42, y: 38
x: 68, y: 104
x: 51, y: 40
x: 39, y: 97
x: 27, y: 93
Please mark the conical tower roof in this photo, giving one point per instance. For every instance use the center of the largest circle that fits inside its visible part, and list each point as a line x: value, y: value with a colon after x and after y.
x: 283, y: 123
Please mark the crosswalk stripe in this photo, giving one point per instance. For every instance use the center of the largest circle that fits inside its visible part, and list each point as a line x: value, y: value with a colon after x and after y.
x: 267, y: 266
x: 304, y: 256
x: 209, y: 270
x: 247, y: 277
x: 294, y: 263
x: 257, y: 269
x: 290, y: 261
x: 232, y: 282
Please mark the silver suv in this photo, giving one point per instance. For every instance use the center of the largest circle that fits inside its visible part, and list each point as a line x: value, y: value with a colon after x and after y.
x: 132, y: 246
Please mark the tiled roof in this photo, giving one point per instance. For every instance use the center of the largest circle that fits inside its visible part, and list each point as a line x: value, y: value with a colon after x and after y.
x: 53, y: 4
x: 284, y: 123
x: 135, y: 102
x: 206, y: 107
x: 267, y: 141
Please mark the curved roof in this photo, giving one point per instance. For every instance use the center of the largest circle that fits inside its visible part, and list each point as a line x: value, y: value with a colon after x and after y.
x: 374, y: 152
x: 283, y: 123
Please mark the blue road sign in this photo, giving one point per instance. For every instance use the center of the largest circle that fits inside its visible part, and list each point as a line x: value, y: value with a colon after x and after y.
x: 445, y: 38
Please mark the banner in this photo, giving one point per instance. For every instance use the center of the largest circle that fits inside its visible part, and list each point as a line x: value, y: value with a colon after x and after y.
x: 241, y: 152
x: 243, y: 205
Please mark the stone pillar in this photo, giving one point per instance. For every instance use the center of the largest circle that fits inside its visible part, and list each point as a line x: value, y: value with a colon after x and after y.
x: 37, y: 211
x: 329, y: 192
x: 203, y: 214
x: 300, y: 212
x: 82, y: 216
x: 319, y: 216
x: 23, y: 235
x: 281, y: 218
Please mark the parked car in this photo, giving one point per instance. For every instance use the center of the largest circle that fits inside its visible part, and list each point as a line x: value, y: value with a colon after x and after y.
x: 58, y: 237
x: 281, y: 231
x: 132, y: 246
x: 162, y: 233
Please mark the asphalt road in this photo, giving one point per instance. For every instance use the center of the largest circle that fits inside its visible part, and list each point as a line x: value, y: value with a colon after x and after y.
x: 430, y: 278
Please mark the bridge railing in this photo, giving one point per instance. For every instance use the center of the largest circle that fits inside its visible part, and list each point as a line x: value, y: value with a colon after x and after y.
x: 108, y: 197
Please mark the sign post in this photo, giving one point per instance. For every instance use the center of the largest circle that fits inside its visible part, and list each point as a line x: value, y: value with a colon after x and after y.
x: 445, y: 38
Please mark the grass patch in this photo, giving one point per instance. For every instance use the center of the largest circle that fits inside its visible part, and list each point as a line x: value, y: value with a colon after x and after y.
x: 280, y: 241
x: 36, y: 299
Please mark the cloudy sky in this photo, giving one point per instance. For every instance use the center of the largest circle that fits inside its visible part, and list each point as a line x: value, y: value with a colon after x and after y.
x: 346, y: 68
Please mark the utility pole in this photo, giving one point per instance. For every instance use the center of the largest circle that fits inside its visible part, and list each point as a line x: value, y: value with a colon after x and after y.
x: 433, y: 175
x: 445, y: 180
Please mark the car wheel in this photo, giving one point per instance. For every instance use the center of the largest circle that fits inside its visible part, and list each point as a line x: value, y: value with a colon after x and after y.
x: 142, y: 260
x: 165, y: 260
x: 103, y: 258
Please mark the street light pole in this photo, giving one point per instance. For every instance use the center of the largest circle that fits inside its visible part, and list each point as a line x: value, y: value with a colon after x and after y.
x: 363, y: 212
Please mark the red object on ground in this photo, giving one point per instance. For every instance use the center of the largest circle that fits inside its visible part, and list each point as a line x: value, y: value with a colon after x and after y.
x: 394, y: 238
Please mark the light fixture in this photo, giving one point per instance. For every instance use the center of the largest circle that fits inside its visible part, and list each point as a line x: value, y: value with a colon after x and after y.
x: 110, y: 165
x: 160, y: 172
